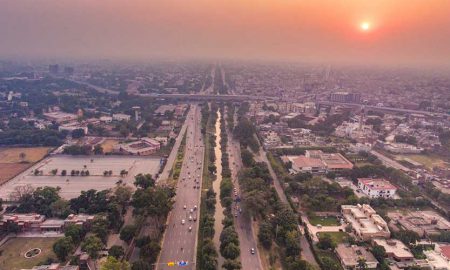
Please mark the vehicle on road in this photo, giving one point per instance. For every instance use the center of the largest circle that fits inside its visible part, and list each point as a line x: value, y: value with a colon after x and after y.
x: 252, y: 251
x: 183, y: 221
x: 184, y: 207
x: 190, y: 228
x: 190, y: 218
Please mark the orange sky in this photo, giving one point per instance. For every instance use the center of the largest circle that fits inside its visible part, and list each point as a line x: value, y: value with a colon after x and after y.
x: 413, y: 31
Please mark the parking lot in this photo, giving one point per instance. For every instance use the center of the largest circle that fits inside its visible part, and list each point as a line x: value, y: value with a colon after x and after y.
x: 71, y: 186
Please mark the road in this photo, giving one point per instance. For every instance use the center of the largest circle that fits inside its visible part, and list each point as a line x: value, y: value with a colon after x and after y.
x: 243, y: 221
x: 173, y: 154
x: 180, y: 240
x: 389, y: 162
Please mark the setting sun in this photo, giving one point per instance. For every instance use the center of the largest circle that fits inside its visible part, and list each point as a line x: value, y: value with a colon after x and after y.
x: 365, y: 26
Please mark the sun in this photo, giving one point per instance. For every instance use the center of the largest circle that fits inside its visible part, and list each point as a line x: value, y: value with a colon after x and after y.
x: 365, y: 26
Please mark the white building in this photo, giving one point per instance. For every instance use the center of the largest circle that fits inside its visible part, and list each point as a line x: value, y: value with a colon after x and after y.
x: 376, y: 188
x: 365, y: 222
x: 121, y: 117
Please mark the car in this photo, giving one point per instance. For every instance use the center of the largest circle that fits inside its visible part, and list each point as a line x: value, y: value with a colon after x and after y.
x: 195, y: 207
x: 195, y: 218
x: 192, y: 210
x: 190, y: 218
x: 190, y: 228
x: 252, y: 250
x: 184, y: 206
x: 183, y: 221
x: 235, y: 214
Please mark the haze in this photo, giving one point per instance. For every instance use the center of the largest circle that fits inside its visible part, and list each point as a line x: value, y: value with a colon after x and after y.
x: 401, y: 31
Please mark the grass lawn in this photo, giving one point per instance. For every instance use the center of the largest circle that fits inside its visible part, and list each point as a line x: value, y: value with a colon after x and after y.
x: 32, y: 154
x: 330, y: 255
x: 338, y: 237
x: 13, y: 251
x: 324, y: 221
x: 428, y: 161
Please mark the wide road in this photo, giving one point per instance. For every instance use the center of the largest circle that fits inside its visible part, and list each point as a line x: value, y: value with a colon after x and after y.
x: 180, y: 240
x: 244, y: 228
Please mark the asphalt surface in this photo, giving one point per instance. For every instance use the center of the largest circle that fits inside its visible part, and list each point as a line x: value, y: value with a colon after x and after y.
x: 180, y: 240
x: 243, y: 224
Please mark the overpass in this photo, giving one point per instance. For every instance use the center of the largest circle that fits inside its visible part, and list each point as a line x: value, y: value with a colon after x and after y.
x: 385, y: 109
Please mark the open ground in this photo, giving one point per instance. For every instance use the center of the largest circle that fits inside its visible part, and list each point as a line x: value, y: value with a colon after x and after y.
x: 71, y: 186
x: 13, y: 251
x: 13, y: 162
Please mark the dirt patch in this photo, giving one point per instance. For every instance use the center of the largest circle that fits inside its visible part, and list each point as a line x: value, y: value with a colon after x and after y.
x: 9, y: 170
x: 30, y: 154
x: 108, y: 145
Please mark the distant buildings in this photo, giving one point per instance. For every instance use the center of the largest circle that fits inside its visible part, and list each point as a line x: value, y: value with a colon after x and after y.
x: 60, y: 117
x: 365, y: 222
x: 376, y: 188
x: 53, y: 69
x: 349, y: 256
x: 401, y: 148
x: 395, y: 249
x: 424, y: 223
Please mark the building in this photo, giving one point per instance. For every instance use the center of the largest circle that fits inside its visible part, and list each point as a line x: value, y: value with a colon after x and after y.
x: 365, y: 222
x: 142, y: 147
x: 376, y: 188
x: 80, y: 219
x: 60, y: 117
x: 121, y: 117
x: 73, y: 126
x: 53, y: 69
x: 345, y: 97
x: 55, y: 266
x: 424, y: 223
x: 402, y: 148
x: 68, y: 71
x: 437, y: 260
x: 315, y: 161
x: 349, y: 256
x: 25, y: 222
x: 395, y: 250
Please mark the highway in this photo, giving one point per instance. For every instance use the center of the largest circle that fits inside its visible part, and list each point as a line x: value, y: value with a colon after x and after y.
x: 180, y: 240
x: 247, y: 239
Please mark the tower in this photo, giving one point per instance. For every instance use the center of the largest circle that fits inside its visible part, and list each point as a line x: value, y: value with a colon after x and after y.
x: 136, y: 110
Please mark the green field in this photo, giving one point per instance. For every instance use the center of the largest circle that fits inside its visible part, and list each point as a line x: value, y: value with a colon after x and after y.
x: 13, y: 251
x: 338, y: 237
x: 324, y: 221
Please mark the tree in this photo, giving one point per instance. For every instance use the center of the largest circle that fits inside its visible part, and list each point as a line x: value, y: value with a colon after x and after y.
x: 92, y: 245
x: 128, y: 232
x: 232, y: 265
x: 123, y: 195
x: 144, y: 181
x: 150, y: 251
x: 379, y: 253
x: 141, y: 265
x: 63, y: 173
x: 247, y: 158
x: 75, y: 232
x: 326, y: 242
x: 98, y: 149
x: 116, y: 252
x: 231, y: 251
x: 22, y: 156
x: 265, y: 235
x: 114, y: 264
x: 100, y: 227
x: 77, y: 133
x: 329, y: 264
x: 362, y: 263
x: 60, y: 208
x: 63, y: 247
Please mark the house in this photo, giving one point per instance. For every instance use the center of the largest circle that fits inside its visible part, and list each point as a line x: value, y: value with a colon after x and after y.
x: 121, y: 117
x: 349, y: 256
x: 395, y: 250
x: 437, y: 260
x: 376, y: 188
x: 142, y: 147
x: 316, y: 161
x: 365, y: 222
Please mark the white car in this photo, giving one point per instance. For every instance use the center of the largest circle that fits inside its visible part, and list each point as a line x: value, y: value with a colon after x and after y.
x: 183, y: 221
x: 192, y: 210
x: 252, y: 251
x: 184, y: 207
x: 190, y: 228
x: 190, y: 218
x: 195, y: 207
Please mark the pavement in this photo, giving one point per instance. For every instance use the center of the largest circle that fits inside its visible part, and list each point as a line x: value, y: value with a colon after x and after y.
x: 243, y: 225
x: 164, y: 175
x: 180, y: 240
x: 389, y: 162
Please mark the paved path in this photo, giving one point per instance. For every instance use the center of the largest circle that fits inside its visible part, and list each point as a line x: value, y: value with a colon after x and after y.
x: 244, y: 228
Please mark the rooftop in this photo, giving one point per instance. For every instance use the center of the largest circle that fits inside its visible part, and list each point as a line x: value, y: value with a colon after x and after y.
x: 377, y: 183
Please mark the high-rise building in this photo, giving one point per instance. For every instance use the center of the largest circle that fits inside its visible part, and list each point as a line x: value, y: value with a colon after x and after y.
x: 53, y: 69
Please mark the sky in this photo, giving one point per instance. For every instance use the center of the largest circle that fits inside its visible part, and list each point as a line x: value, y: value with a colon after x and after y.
x: 404, y: 32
